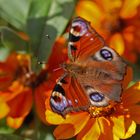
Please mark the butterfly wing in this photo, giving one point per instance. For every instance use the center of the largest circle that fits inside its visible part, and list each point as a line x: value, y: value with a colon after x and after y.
x: 67, y: 96
x: 83, y: 40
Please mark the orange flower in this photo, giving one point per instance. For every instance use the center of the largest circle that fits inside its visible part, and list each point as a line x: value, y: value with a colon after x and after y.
x: 15, y: 91
x: 118, y: 21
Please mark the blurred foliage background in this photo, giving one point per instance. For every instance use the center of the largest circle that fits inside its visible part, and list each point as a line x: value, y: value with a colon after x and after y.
x: 31, y: 27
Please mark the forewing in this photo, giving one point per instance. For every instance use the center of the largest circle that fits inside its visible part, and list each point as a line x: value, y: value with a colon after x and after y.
x: 86, y: 44
x: 83, y: 40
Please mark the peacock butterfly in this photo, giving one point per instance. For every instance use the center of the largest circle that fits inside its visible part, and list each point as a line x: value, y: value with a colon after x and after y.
x: 93, y: 75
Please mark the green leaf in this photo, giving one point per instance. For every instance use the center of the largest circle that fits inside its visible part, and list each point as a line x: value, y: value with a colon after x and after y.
x: 131, y: 84
x: 136, y: 72
x: 4, y: 129
x: 58, y: 17
x: 43, y: 132
x: 39, y: 8
x: 15, y: 12
x: 11, y: 137
x: 46, y: 133
x: 4, y: 52
x: 3, y: 22
x: 36, y: 21
x: 11, y: 40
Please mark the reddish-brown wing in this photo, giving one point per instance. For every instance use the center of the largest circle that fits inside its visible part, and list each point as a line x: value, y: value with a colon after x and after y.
x: 83, y: 40
x: 67, y: 96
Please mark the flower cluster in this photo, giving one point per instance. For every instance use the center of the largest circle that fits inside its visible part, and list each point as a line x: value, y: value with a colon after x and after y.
x: 118, y: 21
x: 15, y: 89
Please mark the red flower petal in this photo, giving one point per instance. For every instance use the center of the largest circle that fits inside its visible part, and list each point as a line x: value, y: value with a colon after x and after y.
x: 132, y: 95
x: 40, y: 97
x: 135, y: 113
x: 19, y: 107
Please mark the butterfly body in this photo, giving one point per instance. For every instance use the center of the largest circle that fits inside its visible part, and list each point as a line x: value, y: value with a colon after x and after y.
x: 93, y: 76
x: 92, y: 69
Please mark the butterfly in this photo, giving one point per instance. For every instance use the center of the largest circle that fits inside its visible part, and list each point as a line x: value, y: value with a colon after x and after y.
x: 93, y: 75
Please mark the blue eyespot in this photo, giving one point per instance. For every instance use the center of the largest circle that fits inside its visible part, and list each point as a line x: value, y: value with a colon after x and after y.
x: 96, y: 97
x: 106, y: 54
x: 58, y: 102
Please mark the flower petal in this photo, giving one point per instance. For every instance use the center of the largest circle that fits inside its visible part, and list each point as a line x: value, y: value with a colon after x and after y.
x: 53, y: 118
x: 14, y: 122
x: 123, y: 127
x: 128, y: 77
x: 117, y: 43
x: 135, y: 113
x: 90, y: 11
x: 109, y: 5
x: 115, y: 137
x: 58, y: 55
x: 132, y: 95
x: 40, y: 97
x: 71, y: 126
x: 47, y: 102
x: 129, y: 8
x: 20, y: 107
x: 90, y: 131
x: 4, y: 109
x: 118, y: 128
x: 12, y: 91
x: 131, y: 130
x: 105, y: 126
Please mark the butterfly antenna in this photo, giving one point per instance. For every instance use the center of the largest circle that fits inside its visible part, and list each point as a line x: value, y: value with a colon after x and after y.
x: 57, y: 69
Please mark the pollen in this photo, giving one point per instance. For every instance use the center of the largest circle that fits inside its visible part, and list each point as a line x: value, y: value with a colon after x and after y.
x: 101, y: 111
